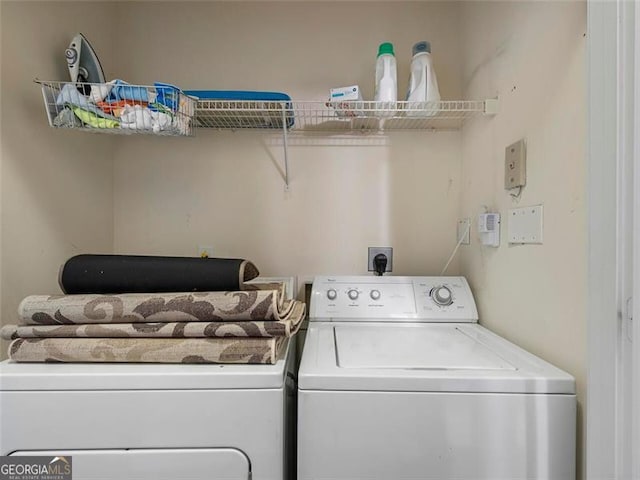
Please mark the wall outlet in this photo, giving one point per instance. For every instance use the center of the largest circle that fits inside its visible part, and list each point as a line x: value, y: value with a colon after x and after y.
x: 205, y: 251
x: 464, y: 231
x: 373, y: 251
x: 515, y: 165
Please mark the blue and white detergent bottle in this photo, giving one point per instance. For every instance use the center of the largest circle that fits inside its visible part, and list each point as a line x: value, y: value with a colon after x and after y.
x: 386, y: 92
x: 423, y: 94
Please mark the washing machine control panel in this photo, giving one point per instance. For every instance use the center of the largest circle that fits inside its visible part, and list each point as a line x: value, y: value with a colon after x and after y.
x: 408, y: 299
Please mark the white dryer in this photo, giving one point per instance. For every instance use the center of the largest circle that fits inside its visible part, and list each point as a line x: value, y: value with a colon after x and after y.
x: 153, y: 422
x: 398, y: 381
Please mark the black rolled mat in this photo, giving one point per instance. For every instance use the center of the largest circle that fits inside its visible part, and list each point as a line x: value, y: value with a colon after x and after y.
x: 153, y: 274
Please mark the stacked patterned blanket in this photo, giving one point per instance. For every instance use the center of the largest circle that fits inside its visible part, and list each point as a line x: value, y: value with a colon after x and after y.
x: 250, y: 325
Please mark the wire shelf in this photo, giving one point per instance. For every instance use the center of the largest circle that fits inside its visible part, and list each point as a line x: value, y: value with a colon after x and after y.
x: 165, y: 110
x: 344, y: 117
x: 119, y: 108
x: 234, y: 114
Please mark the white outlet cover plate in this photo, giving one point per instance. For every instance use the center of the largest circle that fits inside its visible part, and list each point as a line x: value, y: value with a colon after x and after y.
x: 525, y: 225
x: 463, y: 229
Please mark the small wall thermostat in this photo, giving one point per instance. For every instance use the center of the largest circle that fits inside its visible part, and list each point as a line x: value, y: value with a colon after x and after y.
x: 489, y: 229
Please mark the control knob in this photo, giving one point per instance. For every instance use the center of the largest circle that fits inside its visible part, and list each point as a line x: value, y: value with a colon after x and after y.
x: 353, y: 294
x: 332, y: 294
x: 442, y: 296
x: 375, y: 294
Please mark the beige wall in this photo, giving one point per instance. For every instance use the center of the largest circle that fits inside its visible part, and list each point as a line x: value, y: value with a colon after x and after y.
x: 533, y: 56
x: 224, y: 189
x: 57, y: 187
x: 65, y: 192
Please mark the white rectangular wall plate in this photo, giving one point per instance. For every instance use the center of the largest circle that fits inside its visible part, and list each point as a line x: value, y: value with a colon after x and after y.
x: 464, y: 229
x: 525, y: 225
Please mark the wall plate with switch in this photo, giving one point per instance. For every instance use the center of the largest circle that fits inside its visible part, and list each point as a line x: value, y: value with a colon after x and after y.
x: 489, y: 229
x: 515, y: 165
x: 373, y: 251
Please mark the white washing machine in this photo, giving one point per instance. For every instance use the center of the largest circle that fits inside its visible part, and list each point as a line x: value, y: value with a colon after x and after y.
x: 153, y: 422
x: 398, y: 381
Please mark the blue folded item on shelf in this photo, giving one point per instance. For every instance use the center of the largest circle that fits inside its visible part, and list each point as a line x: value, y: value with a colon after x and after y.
x: 248, y: 96
x: 123, y: 91
x: 239, y: 95
x: 167, y: 95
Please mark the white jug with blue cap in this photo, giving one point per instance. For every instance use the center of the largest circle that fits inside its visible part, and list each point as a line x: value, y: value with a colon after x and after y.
x: 423, y: 94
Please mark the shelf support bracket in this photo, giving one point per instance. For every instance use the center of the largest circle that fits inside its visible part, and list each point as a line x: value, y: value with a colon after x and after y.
x: 286, y: 147
x: 491, y: 106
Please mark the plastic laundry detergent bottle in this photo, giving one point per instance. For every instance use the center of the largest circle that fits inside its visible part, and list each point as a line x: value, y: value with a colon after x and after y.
x: 386, y: 91
x: 423, y: 93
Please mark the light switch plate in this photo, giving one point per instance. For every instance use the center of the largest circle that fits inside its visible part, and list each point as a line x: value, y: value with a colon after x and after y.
x: 515, y: 165
x: 525, y: 225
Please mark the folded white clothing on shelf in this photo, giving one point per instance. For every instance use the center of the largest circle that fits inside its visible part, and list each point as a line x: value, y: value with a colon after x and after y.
x: 137, y: 117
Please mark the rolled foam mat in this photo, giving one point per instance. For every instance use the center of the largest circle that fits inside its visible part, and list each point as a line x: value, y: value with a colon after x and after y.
x: 84, y: 274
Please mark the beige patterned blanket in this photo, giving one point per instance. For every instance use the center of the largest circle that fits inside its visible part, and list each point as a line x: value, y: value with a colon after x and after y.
x: 247, y: 326
x: 148, y: 350
x: 156, y: 307
x: 250, y: 328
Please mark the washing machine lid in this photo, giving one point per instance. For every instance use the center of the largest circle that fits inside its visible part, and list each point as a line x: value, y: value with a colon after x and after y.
x: 132, y: 376
x: 422, y: 357
x: 413, y: 347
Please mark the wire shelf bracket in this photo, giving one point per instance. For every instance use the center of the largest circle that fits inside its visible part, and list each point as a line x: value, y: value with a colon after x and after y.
x: 286, y: 150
